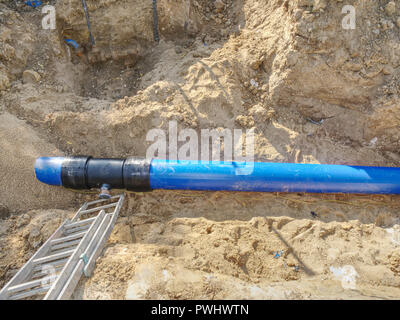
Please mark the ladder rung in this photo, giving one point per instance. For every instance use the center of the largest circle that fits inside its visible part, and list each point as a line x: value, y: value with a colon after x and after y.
x: 68, y: 238
x: 62, y: 250
x: 34, y: 292
x: 78, y: 229
x: 54, y: 264
x: 41, y: 274
x: 99, y: 208
x: 30, y: 284
x: 79, y: 223
x: 53, y: 257
x: 65, y: 245
x: 102, y: 200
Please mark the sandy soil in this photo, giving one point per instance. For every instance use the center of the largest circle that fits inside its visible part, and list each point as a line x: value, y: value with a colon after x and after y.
x: 311, y: 91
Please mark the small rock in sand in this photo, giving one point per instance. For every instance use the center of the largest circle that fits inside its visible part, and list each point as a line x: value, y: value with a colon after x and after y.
x: 219, y: 5
x: 30, y: 76
x: 390, y: 8
x: 4, y: 212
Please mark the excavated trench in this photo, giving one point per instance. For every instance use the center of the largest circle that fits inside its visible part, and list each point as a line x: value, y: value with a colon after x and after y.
x: 126, y: 48
x: 313, y: 93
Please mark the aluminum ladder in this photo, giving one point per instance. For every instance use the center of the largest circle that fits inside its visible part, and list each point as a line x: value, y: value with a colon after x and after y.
x: 56, y: 268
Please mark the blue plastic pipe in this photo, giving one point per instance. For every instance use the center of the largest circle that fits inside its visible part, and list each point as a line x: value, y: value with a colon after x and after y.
x: 273, y: 177
x: 72, y: 43
x: 228, y: 176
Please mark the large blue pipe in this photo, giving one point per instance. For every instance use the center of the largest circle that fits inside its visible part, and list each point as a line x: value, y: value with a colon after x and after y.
x: 142, y: 175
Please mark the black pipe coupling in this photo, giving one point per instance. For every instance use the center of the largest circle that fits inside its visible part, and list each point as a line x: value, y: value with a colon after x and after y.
x: 132, y: 174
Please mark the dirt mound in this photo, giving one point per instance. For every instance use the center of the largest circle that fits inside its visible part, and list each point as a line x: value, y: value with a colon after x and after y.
x: 19, y: 189
x: 312, y: 91
x: 263, y: 258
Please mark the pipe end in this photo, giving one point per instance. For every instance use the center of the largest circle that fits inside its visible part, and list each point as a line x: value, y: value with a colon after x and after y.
x: 48, y: 170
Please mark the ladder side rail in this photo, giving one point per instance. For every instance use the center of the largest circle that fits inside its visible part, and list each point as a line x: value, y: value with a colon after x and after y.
x: 78, y: 213
x: 73, y: 260
x: 70, y: 285
x: 88, y: 269
x: 118, y: 208
x: 97, y: 236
